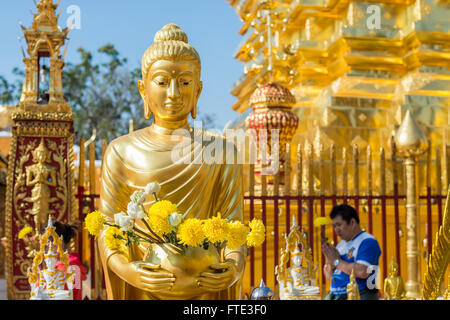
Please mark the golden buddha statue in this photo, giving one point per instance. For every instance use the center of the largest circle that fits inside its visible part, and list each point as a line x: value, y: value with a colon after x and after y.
x: 352, y: 288
x: 394, y: 288
x: 170, y: 90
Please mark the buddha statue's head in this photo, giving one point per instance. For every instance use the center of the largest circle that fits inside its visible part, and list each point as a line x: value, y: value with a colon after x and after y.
x: 170, y: 85
x: 393, y: 268
x: 296, y: 257
x: 41, y: 153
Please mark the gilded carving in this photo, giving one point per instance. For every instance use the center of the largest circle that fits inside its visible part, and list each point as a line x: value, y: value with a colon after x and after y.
x: 439, y: 259
x: 41, y: 177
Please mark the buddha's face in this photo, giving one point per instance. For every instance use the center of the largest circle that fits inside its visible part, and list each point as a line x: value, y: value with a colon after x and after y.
x: 394, y: 270
x: 297, y: 259
x: 171, y: 90
x: 41, y: 156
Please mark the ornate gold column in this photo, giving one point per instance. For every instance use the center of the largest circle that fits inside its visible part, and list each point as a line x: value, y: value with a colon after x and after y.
x: 411, y: 143
x: 40, y: 169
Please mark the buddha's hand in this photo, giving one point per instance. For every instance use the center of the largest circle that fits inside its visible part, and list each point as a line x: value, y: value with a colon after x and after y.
x: 220, y: 277
x: 150, y: 277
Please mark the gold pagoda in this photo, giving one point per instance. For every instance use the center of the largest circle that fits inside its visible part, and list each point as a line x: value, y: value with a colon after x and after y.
x: 354, y: 67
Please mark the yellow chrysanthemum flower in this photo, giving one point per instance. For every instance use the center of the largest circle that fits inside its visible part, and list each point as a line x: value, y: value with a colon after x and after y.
x: 237, y: 234
x: 94, y: 223
x: 111, y: 240
x: 257, y: 236
x: 190, y: 232
x: 215, y: 229
x: 25, y: 231
x: 321, y: 221
x: 158, y: 216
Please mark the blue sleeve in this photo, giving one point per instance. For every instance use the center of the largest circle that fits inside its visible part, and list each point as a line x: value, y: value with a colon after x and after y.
x: 368, y: 253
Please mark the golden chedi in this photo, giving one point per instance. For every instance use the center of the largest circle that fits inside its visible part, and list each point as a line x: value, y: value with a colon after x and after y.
x: 170, y: 90
x: 394, y: 288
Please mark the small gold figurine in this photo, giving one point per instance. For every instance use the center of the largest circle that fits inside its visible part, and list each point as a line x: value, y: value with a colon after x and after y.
x: 48, y: 283
x: 352, y: 288
x: 394, y: 288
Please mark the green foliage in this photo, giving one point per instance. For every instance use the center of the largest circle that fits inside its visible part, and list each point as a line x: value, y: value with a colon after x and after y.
x: 10, y: 91
x: 103, y: 95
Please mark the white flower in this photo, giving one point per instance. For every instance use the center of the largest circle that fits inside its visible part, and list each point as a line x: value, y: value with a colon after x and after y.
x: 152, y: 187
x: 138, y: 197
x: 136, y: 212
x: 124, y: 221
x: 175, y: 219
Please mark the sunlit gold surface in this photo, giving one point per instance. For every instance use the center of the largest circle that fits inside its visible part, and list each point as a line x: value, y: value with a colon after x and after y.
x: 394, y: 288
x: 199, y: 189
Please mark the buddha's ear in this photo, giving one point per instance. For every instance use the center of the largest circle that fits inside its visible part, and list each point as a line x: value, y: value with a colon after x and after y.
x: 147, y: 111
x: 141, y: 88
x: 194, y: 108
x: 199, y: 90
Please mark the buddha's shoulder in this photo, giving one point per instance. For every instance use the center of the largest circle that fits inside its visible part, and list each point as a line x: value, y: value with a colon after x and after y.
x: 214, y: 137
x: 125, y: 145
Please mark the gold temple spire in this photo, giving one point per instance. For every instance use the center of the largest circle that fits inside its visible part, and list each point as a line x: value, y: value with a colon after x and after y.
x: 46, y: 16
x: 42, y: 90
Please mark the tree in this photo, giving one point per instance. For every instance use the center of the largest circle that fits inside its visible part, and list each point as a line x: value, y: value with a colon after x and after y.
x: 10, y: 91
x: 103, y: 96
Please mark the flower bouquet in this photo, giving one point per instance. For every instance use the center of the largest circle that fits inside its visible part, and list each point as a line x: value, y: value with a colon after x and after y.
x: 183, y: 246
x: 31, y: 240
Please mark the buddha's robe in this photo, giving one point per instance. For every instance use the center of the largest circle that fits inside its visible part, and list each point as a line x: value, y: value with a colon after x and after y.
x: 199, y: 189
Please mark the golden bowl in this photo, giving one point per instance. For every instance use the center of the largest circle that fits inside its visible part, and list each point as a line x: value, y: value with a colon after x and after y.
x: 186, y: 267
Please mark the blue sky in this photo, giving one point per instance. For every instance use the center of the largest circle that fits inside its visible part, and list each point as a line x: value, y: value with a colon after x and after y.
x: 211, y: 25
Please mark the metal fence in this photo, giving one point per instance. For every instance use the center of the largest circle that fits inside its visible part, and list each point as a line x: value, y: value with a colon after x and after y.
x: 314, y: 182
